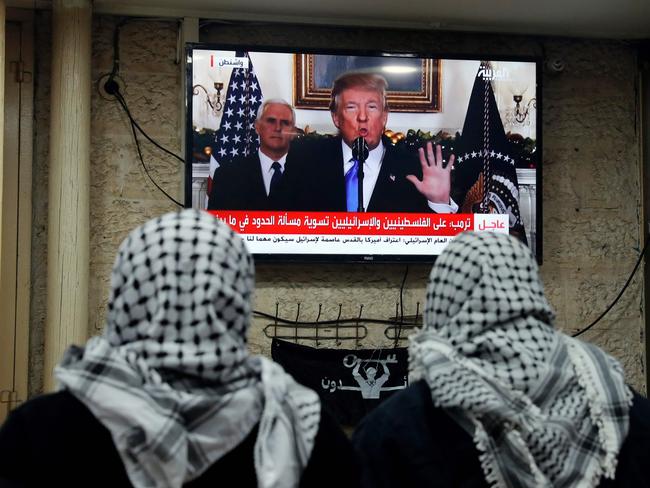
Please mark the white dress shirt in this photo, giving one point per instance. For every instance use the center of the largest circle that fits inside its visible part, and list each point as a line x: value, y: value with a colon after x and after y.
x: 370, y: 168
x: 371, y: 172
x: 267, y: 171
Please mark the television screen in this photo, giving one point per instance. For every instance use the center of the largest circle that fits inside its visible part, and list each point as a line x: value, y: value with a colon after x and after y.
x: 362, y: 156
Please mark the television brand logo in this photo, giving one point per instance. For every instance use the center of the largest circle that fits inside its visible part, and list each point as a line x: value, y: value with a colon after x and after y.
x: 493, y: 74
x: 241, y: 63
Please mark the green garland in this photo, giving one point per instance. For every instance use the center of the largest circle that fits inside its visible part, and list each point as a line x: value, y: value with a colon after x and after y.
x: 525, y: 148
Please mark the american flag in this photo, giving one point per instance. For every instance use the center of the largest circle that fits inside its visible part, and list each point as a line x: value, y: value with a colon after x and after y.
x: 236, y: 135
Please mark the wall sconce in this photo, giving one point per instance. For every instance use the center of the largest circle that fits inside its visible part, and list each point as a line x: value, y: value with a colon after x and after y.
x: 214, y: 100
x: 519, y: 114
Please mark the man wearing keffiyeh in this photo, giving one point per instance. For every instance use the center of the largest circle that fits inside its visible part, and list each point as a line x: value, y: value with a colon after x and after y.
x: 499, y: 397
x: 169, y: 396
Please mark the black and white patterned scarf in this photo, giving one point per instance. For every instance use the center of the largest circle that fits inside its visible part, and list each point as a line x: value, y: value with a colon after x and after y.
x: 171, y: 377
x: 544, y: 409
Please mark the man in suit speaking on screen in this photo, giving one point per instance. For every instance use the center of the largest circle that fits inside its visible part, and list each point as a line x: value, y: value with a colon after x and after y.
x: 253, y: 182
x: 322, y: 174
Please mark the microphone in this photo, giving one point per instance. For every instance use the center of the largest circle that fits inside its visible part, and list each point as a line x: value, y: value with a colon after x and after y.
x: 360, y: 149
x: 360, y: 154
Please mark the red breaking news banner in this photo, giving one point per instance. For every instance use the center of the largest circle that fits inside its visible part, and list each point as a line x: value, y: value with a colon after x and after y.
x: 278, y: 232
x: 345, y: 223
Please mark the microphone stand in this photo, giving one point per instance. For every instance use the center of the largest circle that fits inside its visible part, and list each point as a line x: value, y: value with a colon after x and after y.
x: 360, y: 192
x: 360, y: 154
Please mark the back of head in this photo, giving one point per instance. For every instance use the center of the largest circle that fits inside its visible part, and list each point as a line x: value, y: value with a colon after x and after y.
x: 181, y: 293
x: 171, y: 378
x: 544, y: 409
x: 484, y: 282
x: 486, y: 301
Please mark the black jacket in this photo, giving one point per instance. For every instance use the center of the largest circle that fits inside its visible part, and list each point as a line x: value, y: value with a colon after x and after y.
x: 407, y: 442
x: 238, y: 185
x: 54, y: 440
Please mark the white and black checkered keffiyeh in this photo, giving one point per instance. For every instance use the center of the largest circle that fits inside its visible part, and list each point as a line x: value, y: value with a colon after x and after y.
x: 171, y: 377
x: 546, y: 409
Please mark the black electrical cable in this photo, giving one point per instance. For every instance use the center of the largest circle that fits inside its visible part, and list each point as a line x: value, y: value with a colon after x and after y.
x: 122, y: 102
x: 116, y: 49
x: 627, y: 283
x: 401, y: 305
x: 152, y: 141
x: 112, y: 88
x: 391, y: 322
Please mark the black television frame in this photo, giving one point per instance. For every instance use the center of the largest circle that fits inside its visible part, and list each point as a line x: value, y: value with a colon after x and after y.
x: 361, y: 258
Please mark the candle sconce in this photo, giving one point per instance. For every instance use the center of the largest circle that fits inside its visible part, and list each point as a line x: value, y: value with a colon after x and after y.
x: 521, y: 111
x: 214, y: 100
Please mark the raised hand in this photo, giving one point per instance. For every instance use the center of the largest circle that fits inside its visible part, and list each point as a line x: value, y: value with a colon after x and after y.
x: 436, y: 179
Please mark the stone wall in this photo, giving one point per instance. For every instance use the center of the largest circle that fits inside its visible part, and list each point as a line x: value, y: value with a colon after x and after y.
x: 121, y: 195
x: 591, y: 179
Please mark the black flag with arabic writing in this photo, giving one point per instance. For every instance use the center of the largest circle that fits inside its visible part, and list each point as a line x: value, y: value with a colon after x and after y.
x: 350, y: 382
x: 485, y: 175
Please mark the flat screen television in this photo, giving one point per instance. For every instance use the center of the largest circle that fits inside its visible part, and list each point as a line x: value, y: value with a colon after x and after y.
x: 445, y: 144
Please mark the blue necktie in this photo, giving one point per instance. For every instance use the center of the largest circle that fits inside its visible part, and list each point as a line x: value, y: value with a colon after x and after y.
x: 275, y: 179
x: 352, y: 187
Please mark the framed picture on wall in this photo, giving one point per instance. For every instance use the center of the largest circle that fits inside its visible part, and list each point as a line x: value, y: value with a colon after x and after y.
x: 413, y: 83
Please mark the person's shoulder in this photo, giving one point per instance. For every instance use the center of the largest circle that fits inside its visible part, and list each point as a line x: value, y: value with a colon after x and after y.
x: 400, y: 154
x: 331, y: 448
x: 640, y: 412
x: 400, y: 406
x: 632, y: 459
x: 52, y: 409
x: 237, y: 163
x: 313, y: 143
x: 49, y: 402
x: 52, y: 434
x: 416, y: 395
x: 50, y: 418
x: 306, y: 154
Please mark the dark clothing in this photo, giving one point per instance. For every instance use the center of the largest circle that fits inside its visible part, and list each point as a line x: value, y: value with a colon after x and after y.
x: 54, y: 440
x: 407, y: 442
x: 238, y: 185
x: 314, y: 179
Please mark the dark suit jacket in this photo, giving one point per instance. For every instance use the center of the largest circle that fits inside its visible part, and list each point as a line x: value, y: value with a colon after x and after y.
x: 314, y: 179
x: 238, y: 185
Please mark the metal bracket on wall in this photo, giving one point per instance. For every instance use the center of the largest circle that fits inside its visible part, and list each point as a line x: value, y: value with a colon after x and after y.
x: 8, y: 401
x: 337, y: 330
x: 340, y: 329
x: 403, y: 323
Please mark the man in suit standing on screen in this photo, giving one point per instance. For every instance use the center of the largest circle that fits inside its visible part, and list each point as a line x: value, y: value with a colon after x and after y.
x: 322, y: 174
x: 253, y: 182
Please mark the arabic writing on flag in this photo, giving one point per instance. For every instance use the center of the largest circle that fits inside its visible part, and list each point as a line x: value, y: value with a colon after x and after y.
x: 350, y: 382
